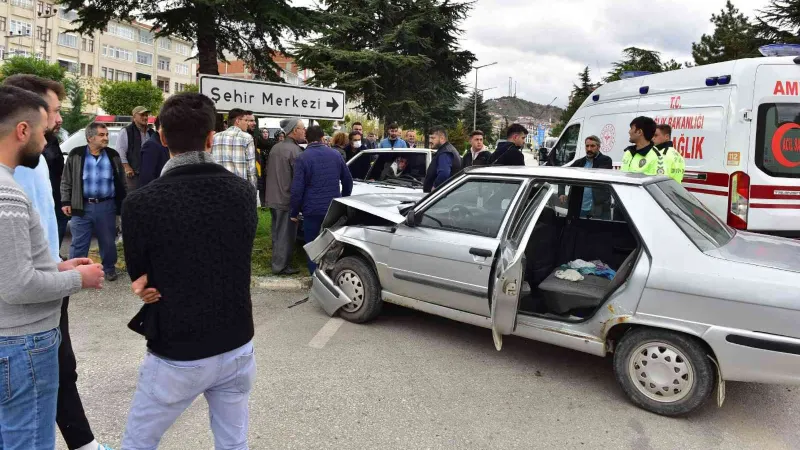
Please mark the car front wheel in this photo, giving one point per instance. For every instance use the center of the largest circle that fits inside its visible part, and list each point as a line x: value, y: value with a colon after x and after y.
x: 356, y: 278
x: 664, y: 372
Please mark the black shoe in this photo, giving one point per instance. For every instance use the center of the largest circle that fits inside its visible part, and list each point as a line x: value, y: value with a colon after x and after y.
x: 288, y: 271
x: 112, y: 276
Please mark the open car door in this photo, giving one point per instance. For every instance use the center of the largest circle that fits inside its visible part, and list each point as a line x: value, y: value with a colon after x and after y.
x: 509, y: 270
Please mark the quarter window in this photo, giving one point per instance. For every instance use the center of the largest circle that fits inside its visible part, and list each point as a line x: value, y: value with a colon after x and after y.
x: 475, y: 207
x: 564, y: 151
x: 778, y: 139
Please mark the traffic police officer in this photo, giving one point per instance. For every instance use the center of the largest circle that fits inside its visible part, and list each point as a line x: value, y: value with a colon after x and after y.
x: 673, y: 161
x: 642, y: 156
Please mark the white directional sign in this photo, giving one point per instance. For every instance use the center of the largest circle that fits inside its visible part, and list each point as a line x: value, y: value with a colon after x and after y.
x: 273, y: 99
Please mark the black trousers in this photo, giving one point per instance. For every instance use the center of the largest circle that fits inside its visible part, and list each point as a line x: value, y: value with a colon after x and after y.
x: 70, y: 417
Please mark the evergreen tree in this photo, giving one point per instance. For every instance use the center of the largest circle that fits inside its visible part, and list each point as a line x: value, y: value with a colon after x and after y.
x: 779, y: 22
x: 639, y: 59
x: 398, y: 59
x: 251, y: 30
x: 74, y: 119
x: 484, y: 120
x: 580, y: 92
x: 734, y: 37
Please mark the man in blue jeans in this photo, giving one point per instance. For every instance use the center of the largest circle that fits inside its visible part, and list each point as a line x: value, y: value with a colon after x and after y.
x: 193, y: 273
x: 317, y: 174
x: 92, y: 190
x: 33, y: 285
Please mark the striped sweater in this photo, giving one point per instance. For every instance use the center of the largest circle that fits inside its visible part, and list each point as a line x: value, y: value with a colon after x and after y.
x: 31, y: 287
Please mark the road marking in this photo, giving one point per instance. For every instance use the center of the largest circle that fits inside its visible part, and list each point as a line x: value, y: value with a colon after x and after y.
x: 326, y: 332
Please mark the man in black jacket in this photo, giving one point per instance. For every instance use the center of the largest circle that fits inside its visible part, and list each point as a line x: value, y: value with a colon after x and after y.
x: 446, y: 161
x: 193, y: 274
x: 477, y: 155
x: 154, y: 156
x: 595, y: 203
x: 509, y: 153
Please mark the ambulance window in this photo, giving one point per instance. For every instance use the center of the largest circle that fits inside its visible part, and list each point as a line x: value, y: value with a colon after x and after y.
x: 778, y: 139
x: 564, y: 151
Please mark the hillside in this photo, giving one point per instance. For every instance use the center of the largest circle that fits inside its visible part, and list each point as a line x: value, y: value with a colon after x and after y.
x: 513, y: 108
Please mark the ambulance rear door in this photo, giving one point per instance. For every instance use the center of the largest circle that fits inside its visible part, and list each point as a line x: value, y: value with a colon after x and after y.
x: 773, y: 205
x: 699, y: 118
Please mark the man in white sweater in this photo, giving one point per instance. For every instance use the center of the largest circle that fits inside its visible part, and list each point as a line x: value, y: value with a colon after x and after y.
x: 32, y: 285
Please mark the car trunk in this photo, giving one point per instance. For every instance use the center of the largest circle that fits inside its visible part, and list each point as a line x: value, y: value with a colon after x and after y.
x: 761, y: 250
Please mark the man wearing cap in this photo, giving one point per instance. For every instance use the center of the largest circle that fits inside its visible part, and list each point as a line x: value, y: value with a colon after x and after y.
x: 129, y: 145
x: 280, y: 171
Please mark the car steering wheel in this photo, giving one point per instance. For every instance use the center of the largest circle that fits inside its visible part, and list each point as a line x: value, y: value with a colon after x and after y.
x: 459, y: 212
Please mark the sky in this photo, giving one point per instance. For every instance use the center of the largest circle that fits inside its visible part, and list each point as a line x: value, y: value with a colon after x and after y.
x: 544, y: 44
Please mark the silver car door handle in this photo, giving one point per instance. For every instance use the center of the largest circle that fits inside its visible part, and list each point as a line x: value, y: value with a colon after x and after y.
x: 480, y: 252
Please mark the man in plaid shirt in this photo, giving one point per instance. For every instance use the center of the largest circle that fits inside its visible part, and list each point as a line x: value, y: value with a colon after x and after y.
x: 234, y: 148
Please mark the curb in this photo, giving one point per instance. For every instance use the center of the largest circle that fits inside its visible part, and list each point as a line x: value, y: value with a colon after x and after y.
x: 283, y: 283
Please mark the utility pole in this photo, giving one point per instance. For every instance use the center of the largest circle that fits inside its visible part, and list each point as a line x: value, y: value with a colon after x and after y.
x: 475, y: 100
x: 47, y: 15
x: 8, y: 38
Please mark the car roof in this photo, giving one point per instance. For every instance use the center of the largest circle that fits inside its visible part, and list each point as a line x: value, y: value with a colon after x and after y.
x: 572, y: 173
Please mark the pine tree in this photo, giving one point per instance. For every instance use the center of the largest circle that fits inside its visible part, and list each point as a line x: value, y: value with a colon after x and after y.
x: 73, y: 118
x: 484, y: 120
x: 734, y: 37
x: 251, y: 30
x: 576, y: 99
x: 399, y: 59
x: 639, y: 59
x: 779, y: 22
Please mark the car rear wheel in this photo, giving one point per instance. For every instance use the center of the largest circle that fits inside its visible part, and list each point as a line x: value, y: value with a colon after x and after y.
x: 356, y: 278
x: 664, y: 372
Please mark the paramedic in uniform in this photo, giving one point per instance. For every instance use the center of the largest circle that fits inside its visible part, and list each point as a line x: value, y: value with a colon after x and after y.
x: 673, y: 161
x: 642, y: 156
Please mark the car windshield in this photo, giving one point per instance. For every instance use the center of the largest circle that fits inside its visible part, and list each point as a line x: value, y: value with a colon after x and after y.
x: 699, y: 224
x: 398, y: 168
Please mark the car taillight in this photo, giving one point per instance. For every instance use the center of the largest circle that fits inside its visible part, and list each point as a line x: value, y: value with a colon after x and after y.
x: 738, y: 200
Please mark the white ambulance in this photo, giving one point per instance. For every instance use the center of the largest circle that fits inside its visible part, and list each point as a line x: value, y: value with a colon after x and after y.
x: 736, y: 123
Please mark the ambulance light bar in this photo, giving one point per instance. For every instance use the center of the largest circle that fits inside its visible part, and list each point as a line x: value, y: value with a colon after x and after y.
x: 780, y: 50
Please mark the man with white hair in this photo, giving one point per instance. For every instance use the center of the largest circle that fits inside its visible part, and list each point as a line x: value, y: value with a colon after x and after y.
x: 280, y: 172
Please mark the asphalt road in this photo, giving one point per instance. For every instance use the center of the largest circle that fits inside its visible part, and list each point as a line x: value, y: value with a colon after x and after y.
x: 410, y: 380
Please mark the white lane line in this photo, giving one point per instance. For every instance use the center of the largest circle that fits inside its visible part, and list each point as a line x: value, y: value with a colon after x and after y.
x: 326, y: 332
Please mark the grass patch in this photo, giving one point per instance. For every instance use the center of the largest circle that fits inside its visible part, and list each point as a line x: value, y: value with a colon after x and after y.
x: 262, y: 249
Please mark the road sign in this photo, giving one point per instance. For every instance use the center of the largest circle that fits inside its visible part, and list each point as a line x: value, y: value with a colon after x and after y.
x: 540, y: 135
x: 273, y: 99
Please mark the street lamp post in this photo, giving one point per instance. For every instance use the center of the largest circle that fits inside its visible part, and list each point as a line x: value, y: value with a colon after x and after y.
x: 8, y: 38
x: 50, y: 13
x: 475, y: 100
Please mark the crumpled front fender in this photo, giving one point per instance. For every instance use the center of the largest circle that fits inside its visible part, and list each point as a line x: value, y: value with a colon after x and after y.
x: 327, y: 294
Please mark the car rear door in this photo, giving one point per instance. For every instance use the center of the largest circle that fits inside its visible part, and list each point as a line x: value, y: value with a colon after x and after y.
x: 509, y: 268
x: 446, y: 258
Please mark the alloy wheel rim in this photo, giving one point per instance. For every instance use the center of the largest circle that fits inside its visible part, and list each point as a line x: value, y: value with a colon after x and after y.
x: 661, y: 372
x: 350, y: 283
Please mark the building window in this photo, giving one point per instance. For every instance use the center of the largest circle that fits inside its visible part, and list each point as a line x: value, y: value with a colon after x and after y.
x: 83, y: 69
x: 123, y: 76
x: 87, y: 45
x: 182, y: 49
x: 107, y: 74
x: 40, y: 7
x: 22, y: 3
x: 146, y: 37
x: 68, y: 15
x: 182, y: 69
x: 109, y: 51
x: 163, y: 84
x: 67, y: 40
x: 71, y: 66
x: 2, y: 24
x: 163, y: 63
x: 120, y: 30
x: 89, y: 70
x: 19, y: 28
x: 144, y: 58
x: 165, y: 44
x: 2, y: 52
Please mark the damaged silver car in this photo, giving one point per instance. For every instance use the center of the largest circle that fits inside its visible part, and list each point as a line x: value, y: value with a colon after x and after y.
x: 592, y: 260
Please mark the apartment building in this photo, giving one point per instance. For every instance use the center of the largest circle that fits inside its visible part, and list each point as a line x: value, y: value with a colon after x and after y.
x: 124, y: 52
x: 291, y: 73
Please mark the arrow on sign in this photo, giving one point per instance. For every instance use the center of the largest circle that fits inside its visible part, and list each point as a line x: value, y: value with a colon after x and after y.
x: 332, y: 104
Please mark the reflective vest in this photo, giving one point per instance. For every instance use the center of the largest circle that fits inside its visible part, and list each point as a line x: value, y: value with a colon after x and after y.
x: 673, y: 162
x: 652, y: 163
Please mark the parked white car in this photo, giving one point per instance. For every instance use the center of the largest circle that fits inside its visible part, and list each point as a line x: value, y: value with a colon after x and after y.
x: 78, y: 139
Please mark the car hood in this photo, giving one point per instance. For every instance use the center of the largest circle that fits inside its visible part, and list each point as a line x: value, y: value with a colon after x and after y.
x: 761, y: 250
x: 383, y: 206
x: 361, y: 188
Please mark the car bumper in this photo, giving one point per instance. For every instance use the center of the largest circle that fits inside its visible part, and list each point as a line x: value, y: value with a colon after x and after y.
x: 755, y: 357
x: 326, y: 293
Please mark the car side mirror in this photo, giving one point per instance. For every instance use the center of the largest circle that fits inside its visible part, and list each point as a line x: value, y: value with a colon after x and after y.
x: 411, y: 218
